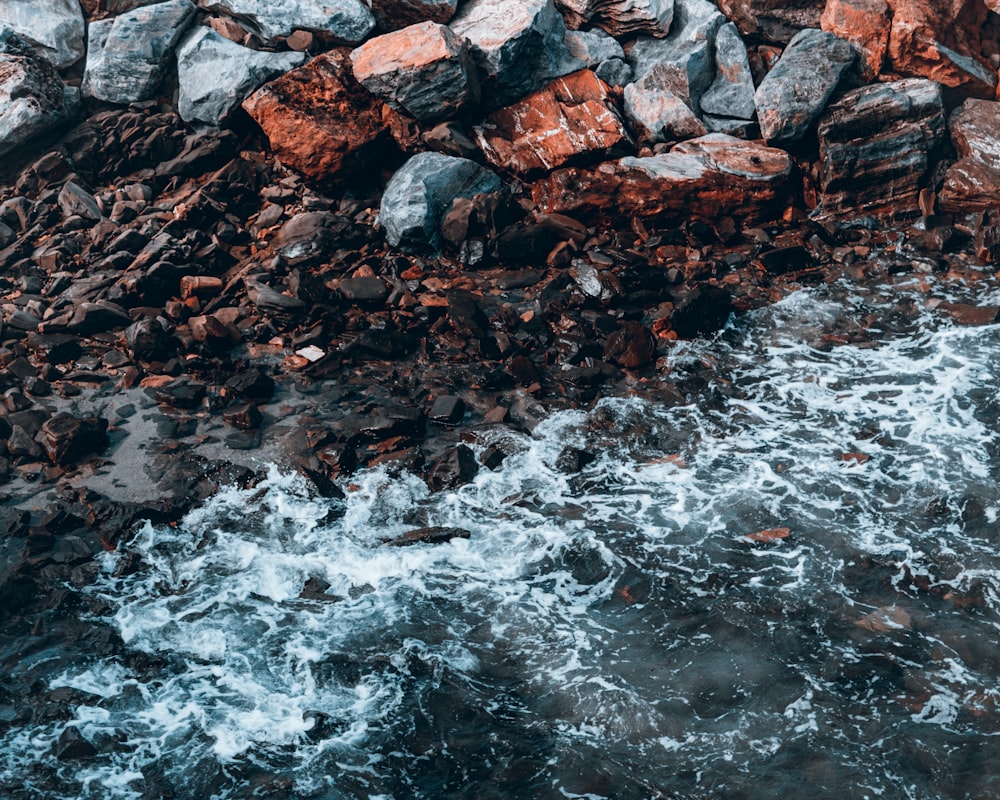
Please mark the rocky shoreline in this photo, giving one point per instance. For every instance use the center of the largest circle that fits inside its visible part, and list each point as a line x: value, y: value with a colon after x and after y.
x: 334, y: 236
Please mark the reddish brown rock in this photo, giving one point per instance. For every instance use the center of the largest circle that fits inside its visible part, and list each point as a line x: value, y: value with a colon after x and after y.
x: 392, y: 15
x: 317, y: 116
x: 710, y: 176
x: 772, y: 20
x: 973, y: 183
x: 572, y: 116
x: 941, y: 40
x: 865, y: 23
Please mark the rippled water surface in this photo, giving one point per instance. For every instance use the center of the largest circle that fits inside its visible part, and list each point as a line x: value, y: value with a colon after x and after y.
x: 786, y: 589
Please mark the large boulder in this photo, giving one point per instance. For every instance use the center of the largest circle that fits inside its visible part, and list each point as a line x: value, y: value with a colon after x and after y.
x: 709, y: 177
x: 620, y: 17
x: 317, y: 117
x: 731, y: 94
x: 54, y: 27
x: 421, y: 192
x: 655, y: 114
x: 973, y: 183
x: 214, y: 75
x: 863, y: 23
x: 342, y: 21
x: 941, y: 40
x: 796, y: 90
x: 127, y: 55
x: 573, y: 116
x: 33, y: 98
x: 518, y: 45
x: 877, y: 144
x: 684, y: 59
x: 425, y: 70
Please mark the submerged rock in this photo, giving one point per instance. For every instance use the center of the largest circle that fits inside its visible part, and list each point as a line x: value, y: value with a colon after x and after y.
x: 425, y: 70
x: 796, y: 90
x: 54, y: 27
x: 709, y: 176
x: 33, y: 99
x: 571, y: 117
x: 127, y: 55
x: 343, y: 21
x: 214, y: 75
x: 317, y: 116
x: 420, y: 193
x: 876, y: 145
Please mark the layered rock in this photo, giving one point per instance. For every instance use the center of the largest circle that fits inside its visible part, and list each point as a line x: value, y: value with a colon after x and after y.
x: 708, y: 177
x: 731, y: 95
x: 54, y: 27
x: 941, y: 40
x: 425, y: 70
x: 317, y: 116
x: 517, y: 45
x: 772, y: 20
x: 214, y: 75
x: 796, y: 90
x: 127, y: 55
x: 863, y: 23
x: 621, y: 17
x: 573, y: 116
x: 684, y: 59
x: 392, y: 15
x: 342, y: 21
x: 877, y: 144
x: 418, y: 195
x: 33, y: 98
x: 656, y: 114
x: 973, y: 183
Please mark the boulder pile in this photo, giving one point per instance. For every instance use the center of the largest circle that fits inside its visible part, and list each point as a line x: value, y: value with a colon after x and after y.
x: 342, y: 234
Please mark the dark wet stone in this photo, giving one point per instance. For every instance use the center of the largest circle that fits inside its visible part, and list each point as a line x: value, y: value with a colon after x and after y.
x: 252, y: 383
x: 67, y: 438
x: 572, y: 460
x: 372, y: 291
x: 631, y: 346
x: 523, y: 371
x: 180, y: 394
x: 91, y: 318
x: 21, y: 444
x: 447, y: 409
x: 55, y: 348
x: 786, y: 259
x: 72, y: 746
x: 704, y: 310
x: 493, y: 456
x: 245, y: 417
x: 148, y: 341
x: 433, y: 535
x: 454, y: 468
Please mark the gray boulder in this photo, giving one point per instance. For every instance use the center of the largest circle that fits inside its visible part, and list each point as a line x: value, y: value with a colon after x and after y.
x: 518, y: 46
x: 215, y: 74
x: 33, y: 99
x: 74, y: 200
x: 621, y: 17
x: 685, y: 57
x: 54, y: 27
x: 794, y: 93
x: 127, y: 55
x: 731, y: 93
x: 424, y: 69
x: 656, y: 114
x: 347, y: 21
x: 420, y: 193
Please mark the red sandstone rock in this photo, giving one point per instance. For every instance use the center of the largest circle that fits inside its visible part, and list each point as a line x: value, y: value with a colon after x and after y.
x: 572, y: 116
x: 941, y: 40
x: 317, y: 116
x: 973, y: 183
x: 710, y: 176
x: 865, y: 23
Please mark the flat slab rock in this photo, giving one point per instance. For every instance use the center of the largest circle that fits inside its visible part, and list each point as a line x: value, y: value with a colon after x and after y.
x: 709, y: 176
x: 55, y: 27
x: 214, y: 74
x: 571, y: 117
x: 973, y: 183
x: 317, y: 116
x: 876, y: 144
x: 344, y: 21
x: 424, y: 69
x: 33, y: 98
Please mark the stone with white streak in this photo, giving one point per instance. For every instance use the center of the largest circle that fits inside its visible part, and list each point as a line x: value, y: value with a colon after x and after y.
x: 215, y: 75
x: 422, y: 190
x: 621, y: 17
x: 572, y: 117
x: 127, y: 55
x: 55, y: 27
x: 343, y: 21
x: 33, y: 98
x: 424, y: 69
